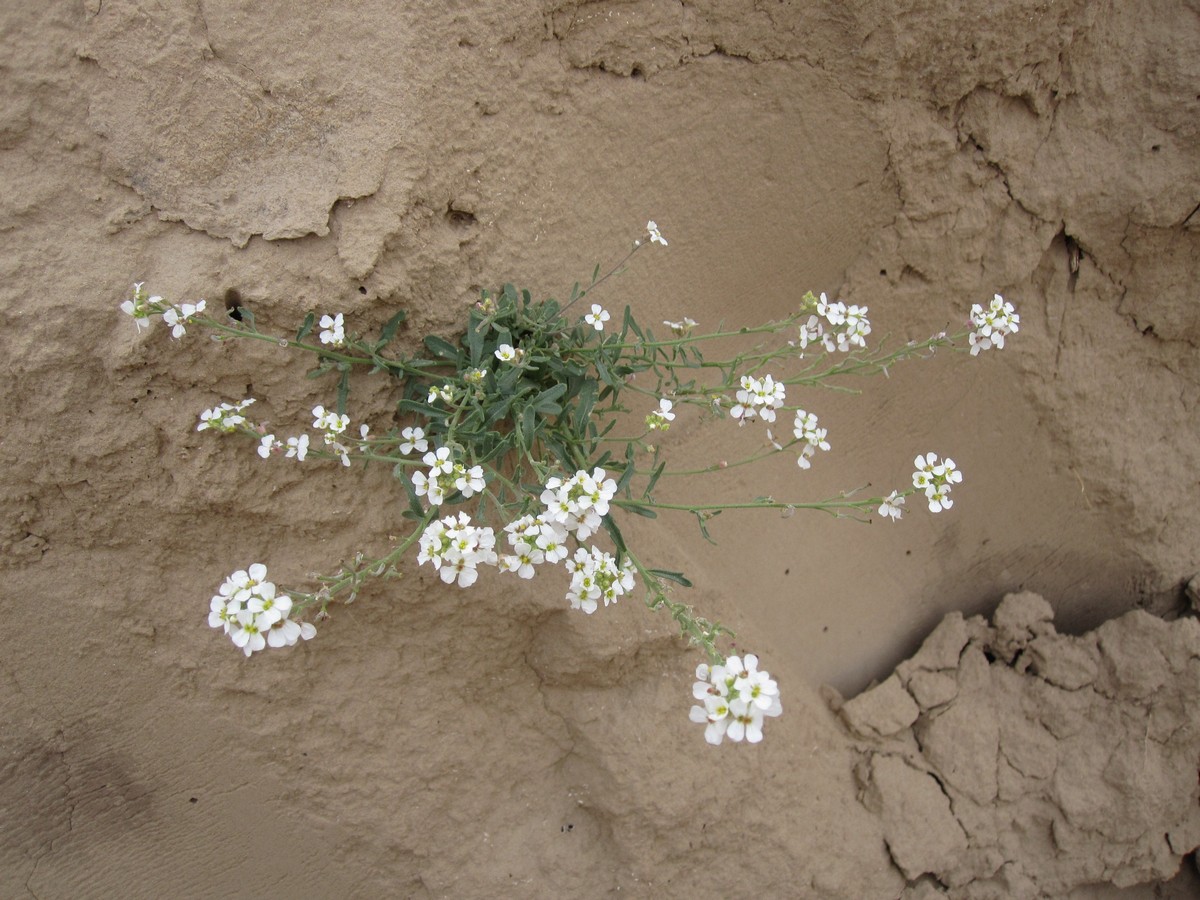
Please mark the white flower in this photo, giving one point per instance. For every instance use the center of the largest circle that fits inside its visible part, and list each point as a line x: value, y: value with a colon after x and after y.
x: 992, y: 325
x: 505, y: 353
x: 297, y: 447
x: 890, y: 508
x: 254, y: 614
x: 335, y: 332
x: 414, y: 439
x: 805, y: 429
x: 736, y: 697
x: 680, y: 329
x: 444, y: 392
x: 329, y: 422
x: 224, y: 418
x: 935, y: 479
x: 661, y: 418
x: 811, y: 331
x: 141, y: 307
x: 597, y: 317
x: 268, y: 445
x: 178, y: 316
x: 456, y: 548
x: 579, y: 503
x: 939, y: 497
x: 758, y: 397
x: 655, y: 236
x: 596, y: 576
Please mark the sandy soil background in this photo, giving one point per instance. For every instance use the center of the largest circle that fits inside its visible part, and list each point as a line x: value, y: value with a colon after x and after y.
x: 914, y: 157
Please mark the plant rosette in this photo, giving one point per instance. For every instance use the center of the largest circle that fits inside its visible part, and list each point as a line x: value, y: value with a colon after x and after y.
x: 512, y: 454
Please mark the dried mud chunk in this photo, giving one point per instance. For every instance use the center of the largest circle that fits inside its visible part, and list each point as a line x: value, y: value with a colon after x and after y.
x: 1132, y: 656
x: 962, y: 743
x: 921, y: 832
x: 941, y: 649
x: 1019, y: 619
x: 1063, y: 661
x: 882, y: 711
x: 932, y: 689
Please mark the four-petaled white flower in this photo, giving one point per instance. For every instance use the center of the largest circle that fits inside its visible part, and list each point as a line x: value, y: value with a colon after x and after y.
x: 736, y: 698
x: 597, y: 317
x: 334, y: 332
x: 890, y: 507
x: 805, y: 429
x: 414, y: 439
x: 178, y: 316
x: 268, y: 445
x: 661, y: 418
x: 297, y: 447
x: 655, y: 235
x: 505, y: 353
x: 329, y: 422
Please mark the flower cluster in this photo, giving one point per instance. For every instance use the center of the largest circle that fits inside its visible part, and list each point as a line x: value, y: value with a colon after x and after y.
x: 533, y: 541
x: 992, y: 325
x: 935, y: 479
x: 661, y: 418
x: 456, y: 549
x: 446, y: 476
x: 142, y: 308
x: 836, y: 326
x: 253, y: 614
x: 805, y: 429
x: 225, y: 418
x: 758, y: 396
x: 580, y: 502
x: 736, y: 697
x: 595, y: 575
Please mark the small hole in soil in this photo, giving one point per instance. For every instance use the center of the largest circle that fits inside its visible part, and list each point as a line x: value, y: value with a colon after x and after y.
x: 233, y: 303
x: 637, y: 72
x: 460, y: 217
x: 361, y: 289
x: 1156, y: 147
x: 883, y: 272
x: 193, y: 800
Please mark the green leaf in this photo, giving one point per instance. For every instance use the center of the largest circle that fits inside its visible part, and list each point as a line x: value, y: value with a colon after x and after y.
x: 442, y: 349
x: 544, y: 402
x: 343, y: 392
x: 306, y: 327
x: 631, y: 324
x: 643, y: 511
x: 389, y: 329
x: 654, y: 476
x: 528, y: 426
x: 414, y: 502
x: 587, y: 402
x: 677, y: 577
x: 475, y: 340
x: 615, y: 533
x: 703, y: 518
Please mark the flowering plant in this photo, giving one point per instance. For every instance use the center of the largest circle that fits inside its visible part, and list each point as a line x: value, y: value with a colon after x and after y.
x: 507, y: 458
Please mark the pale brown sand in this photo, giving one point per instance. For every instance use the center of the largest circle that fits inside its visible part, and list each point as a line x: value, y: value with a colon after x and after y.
x: 911, y: 157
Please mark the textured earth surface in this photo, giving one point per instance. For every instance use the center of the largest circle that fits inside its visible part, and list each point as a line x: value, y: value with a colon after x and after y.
x: 1022, y: 670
